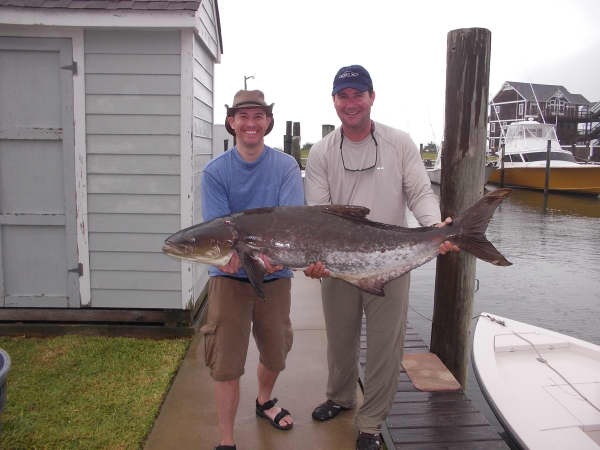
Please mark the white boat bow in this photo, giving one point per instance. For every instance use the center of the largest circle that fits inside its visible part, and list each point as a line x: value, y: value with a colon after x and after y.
x: 543, y: 386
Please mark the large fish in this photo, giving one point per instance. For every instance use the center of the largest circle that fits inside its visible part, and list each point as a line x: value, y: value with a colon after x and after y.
x: 364, y: 253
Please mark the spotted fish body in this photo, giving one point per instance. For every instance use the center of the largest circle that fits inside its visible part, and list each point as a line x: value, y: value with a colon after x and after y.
x: 364, y: 253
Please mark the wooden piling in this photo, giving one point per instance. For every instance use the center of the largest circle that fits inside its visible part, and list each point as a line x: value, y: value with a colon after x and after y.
x: 502, y: 166
x: 467, y: 87
x: 547, y: 173
x: 287, y: 138
x: 296, y: 151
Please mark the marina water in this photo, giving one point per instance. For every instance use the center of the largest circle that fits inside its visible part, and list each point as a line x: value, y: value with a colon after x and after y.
x: 554, y: 282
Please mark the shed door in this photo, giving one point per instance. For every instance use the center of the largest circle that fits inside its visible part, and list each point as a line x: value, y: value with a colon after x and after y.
x: 38, y: 242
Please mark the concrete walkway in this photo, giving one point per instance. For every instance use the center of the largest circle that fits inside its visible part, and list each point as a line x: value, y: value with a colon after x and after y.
x: 187, y: 419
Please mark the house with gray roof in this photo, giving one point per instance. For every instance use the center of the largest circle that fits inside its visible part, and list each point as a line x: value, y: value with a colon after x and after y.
x: 106, y: 121
x: 576, y: 121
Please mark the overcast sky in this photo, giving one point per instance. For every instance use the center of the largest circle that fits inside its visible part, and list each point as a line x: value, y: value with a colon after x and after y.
x: 293, y: 49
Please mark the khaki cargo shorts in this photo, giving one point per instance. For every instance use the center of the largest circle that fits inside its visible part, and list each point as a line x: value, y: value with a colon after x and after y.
x: 234, y: 310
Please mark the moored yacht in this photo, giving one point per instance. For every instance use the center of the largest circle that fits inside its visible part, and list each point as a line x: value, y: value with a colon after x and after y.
x: 524, y: 162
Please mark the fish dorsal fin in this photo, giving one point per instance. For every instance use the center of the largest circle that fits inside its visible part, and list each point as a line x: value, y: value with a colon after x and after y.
x: 359, y: 214
x: 354, y: 211
x: 263, y: 210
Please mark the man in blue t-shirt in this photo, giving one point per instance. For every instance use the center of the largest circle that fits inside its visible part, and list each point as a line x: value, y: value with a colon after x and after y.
x: 249, y: 175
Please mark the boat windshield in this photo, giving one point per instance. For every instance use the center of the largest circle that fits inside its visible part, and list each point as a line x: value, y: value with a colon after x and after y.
x: 541, y: 156
x: 531, y: 130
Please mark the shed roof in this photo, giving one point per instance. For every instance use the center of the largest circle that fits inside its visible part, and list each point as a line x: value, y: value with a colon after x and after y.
x: 543, y: 92
x: 153, y: 5
x: 109, y: 13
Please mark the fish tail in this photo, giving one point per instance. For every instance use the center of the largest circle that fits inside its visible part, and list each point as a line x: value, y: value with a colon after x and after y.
x: 473, y: 224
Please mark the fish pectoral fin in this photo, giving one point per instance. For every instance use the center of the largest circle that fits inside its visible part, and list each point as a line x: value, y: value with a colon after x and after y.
x: 255, y: 269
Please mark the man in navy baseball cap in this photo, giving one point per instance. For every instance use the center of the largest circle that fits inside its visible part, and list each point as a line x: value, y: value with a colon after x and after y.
x: 355, y: 77
x: 360, y: 163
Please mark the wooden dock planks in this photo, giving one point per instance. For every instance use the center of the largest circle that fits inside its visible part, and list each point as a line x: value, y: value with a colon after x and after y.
x: 433, y: 420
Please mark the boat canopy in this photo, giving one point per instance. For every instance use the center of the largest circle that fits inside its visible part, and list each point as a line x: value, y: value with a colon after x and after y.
x: 531, y: 136
x: 531, y: 129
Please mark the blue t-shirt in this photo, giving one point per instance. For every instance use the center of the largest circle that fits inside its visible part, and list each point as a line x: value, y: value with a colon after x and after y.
x: 231, y: 185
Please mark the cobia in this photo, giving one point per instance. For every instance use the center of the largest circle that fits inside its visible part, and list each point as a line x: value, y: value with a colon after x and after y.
x: 364, y: 253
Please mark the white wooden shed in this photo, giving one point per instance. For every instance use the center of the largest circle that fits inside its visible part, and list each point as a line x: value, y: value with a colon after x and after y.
x: 106, y: 119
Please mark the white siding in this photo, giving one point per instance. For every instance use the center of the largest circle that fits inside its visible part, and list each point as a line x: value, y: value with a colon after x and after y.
x: 222, y: 140
x: 202, y: 138
x: 207, y: 27
x: 144, y: 90
x: 133, y: 126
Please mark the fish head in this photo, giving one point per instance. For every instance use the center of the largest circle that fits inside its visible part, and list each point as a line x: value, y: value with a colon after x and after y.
x: 209, y: 242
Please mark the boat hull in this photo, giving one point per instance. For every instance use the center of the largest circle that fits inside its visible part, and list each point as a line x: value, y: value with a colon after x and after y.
x: 435, y: 175
x: 582, y: 179
x: 536, y: 382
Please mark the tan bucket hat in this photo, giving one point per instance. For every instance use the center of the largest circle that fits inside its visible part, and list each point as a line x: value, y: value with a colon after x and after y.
x: 249, y: 99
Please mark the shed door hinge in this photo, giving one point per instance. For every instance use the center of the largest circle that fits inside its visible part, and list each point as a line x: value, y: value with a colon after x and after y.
x: 72, y: 67
x: 78, y: 270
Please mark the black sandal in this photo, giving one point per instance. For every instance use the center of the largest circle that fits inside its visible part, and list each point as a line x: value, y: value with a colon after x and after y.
x: 225, y: 447
x: 327, y: 410
x: 368, y: 441
x: 260, y: 412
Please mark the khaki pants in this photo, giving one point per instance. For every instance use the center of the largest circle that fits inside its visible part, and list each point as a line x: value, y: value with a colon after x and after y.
x: 234, y: 310
x: 343, y: 307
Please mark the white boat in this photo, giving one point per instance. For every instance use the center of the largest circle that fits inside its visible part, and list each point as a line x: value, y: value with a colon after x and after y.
x: 543, y: 386
x: 524, y: 161
x: 435, y: 172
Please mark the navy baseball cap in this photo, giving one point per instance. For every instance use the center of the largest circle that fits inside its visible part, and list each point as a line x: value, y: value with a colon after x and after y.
x: 355, y: 77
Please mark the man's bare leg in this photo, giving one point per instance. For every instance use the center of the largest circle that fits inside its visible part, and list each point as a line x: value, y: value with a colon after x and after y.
x: 227, y: 395
x: 266, y: 383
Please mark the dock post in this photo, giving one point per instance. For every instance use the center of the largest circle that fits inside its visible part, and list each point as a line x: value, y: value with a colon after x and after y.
x: 467, y: 88
x: 502, y: 166
x: 296, y: 143
x: 547, y: 173
x: 287, y: 138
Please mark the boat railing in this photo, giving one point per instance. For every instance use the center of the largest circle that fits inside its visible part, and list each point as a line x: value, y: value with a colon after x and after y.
x: 567, y: 114
x: 555, y: 156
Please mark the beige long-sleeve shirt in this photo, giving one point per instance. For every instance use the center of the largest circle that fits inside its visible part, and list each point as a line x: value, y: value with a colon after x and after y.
x: 398, y: 180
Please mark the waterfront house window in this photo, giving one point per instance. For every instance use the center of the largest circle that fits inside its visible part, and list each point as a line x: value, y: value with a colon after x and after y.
x: 533, y: 108
x: 493, y: 127
x: 557, y: 105
x: 521, y: 108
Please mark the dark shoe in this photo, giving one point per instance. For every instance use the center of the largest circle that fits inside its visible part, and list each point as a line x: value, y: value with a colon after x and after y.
x: 368, y: 441
x: 260, y: 412
x: 327, y: 410
x: 225, y: 447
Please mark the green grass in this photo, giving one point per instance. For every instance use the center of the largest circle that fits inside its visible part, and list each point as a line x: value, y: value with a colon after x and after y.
x: 75, y: 392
